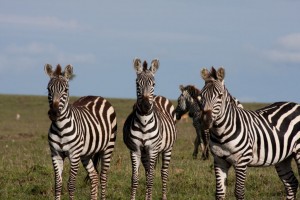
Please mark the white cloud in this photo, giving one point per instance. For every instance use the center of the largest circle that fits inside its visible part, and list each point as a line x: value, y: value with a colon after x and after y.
x: 281, y: 55
x: 39, y: 22
x: 287, y: 49
x: 291, y: 41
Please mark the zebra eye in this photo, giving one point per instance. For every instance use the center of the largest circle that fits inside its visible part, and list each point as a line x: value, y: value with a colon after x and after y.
x: 220, y: 95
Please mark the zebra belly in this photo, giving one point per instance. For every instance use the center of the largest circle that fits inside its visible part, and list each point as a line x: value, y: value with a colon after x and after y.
x: 90, y: 146
x: 267, y: 159
x: 224, y: 151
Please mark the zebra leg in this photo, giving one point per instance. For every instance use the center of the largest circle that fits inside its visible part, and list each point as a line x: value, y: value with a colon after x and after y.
x: 105, y: 164
x: 58, y: 164
x: 240, y: 175
x: 74, y: 162
x: 197, y: 141
x: 93, y: 175
x: 166, y: 158
x: 135, y: 162
x: 221, y: 172
x: 284, y: 171
x: 196, y: 146
x: 149, y: 164
x: 204, y: 135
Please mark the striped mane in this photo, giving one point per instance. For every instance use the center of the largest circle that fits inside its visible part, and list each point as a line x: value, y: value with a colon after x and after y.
x: 213, y: 73
x: 57, y: 71
x: 145, y: 65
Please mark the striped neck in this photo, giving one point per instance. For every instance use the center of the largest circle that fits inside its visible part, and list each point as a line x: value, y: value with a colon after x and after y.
x: 226, y: 109
x: 62, y: 115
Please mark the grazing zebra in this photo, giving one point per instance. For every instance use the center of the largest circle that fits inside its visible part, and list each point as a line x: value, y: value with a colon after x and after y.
x: 149, y: 130
x: 83, y: 131
x: 187, y: 102
x: 242, y: 138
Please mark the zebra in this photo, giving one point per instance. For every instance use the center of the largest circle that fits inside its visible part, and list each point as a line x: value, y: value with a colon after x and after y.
x: 187, y: 102
x: 149, y: 130
x: 242, y: 138
x: 85, y: 130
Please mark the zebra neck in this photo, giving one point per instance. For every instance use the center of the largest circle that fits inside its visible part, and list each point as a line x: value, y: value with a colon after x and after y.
x: 144, y: 119
x: 193, y: 108
x: 64, y: 116
x: 225, y: 112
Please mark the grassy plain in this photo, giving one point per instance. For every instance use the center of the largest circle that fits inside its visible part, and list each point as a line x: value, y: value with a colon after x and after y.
x: 26, y: 170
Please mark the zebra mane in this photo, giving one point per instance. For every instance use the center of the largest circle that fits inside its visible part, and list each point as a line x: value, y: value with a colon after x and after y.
x: 145, y: 65
x: 213, y: 73
x: 57, y: 71
x: 192, y: 90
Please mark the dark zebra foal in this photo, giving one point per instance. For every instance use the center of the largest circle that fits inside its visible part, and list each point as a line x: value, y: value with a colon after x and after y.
x: 149, y: 130
x: 85, y: 130
x: 187, y: 102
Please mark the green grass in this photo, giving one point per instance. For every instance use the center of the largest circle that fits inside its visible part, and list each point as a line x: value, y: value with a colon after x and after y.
x: 26, y: 170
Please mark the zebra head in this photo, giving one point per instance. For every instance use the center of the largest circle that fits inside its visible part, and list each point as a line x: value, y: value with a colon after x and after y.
x: 185, y: 99
x: 58, y: 89
x: 212, y: 95
x: 145, y: 83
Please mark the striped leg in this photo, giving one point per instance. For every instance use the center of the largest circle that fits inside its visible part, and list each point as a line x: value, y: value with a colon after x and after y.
x: 205, y: 143
x: 150, y: 167
x: 93, y: 175
x: 74, y: 162
x: 221, y: 172
x: 105, y: 164
x: 240, y: 174
x: 58, y: 164
x: 166, y: 158
x: 135, y: 162
x: 287, y: 176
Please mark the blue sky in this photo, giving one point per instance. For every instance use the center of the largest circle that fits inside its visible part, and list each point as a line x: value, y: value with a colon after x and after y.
x: 257, y: 42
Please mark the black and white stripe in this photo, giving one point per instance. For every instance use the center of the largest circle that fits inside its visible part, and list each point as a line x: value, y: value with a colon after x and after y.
x: 188, y: 102
x: 149, y: 130
x: 85, y: 130
x: 242, y: 138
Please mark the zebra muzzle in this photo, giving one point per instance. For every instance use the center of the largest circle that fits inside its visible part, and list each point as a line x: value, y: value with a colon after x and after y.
x: 53, y: 114
x: 145, y: 105
x: 178, y: 116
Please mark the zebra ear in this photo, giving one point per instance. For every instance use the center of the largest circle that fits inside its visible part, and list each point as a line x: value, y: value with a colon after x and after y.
x: 181, y: 87
x: 68, y: 71
x: 48, y: 70
x: 221, y: 74
x: 205, y: 74
x: 154, y: 65
x: 137, y: 64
